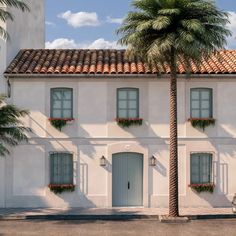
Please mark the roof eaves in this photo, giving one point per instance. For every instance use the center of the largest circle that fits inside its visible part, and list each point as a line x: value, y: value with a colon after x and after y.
x: 139, y: 76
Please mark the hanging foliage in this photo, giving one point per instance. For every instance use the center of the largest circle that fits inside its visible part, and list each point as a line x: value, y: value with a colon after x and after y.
x: 59, y: 188
x: 203, y: 187
x: 127, y: 122
x: 59, y: 123
x: 202, y: 123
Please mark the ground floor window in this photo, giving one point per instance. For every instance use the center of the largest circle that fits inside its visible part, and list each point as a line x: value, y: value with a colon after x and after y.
x: 61, y: 168
x: 201, y: 168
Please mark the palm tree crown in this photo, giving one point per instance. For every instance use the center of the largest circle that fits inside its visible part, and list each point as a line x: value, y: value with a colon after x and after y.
x: 160, y: 29
x: 5, y: 14
x: 12, y: 131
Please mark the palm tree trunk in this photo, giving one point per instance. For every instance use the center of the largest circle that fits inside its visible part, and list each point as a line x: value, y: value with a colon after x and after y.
x: 173, y: 168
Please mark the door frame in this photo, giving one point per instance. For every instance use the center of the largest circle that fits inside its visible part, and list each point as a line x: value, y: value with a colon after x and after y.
x: 129, y: 147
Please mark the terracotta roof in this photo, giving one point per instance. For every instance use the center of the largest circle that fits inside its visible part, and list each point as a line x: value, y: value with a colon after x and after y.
x: 46, y: 61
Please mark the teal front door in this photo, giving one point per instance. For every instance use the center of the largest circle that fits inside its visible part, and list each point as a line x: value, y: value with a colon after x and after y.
x: 127, y: 179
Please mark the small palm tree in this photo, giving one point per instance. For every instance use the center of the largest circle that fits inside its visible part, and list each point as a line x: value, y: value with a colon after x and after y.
x: 165, y: 31
x: 12, y: 131
x: 5, y: 15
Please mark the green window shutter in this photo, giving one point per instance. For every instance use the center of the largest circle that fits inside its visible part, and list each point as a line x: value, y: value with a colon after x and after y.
x: 201, y: 103
x: 210, y: 173
x: 201, y: 168
x: 61, y: 103
x: 194, y: 169
x: 206, y: 168
x: 67, y: 168
x: 127, y: 103
x: 52, y: 168
x: 61, y: 168
x: 195, y: 103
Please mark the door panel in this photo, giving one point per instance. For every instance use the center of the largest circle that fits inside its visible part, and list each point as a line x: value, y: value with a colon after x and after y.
x: 135, y: 178
x: 119, y: 180
x: 127, y: 179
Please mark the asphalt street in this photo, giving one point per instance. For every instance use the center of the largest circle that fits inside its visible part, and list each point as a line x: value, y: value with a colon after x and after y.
x: 118, y: 228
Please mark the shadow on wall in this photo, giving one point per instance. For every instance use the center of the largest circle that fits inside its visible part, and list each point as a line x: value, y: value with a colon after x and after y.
x: 221, y: 181
x: 73, y: 199
x: 221, y: 196
x: 82, y: 170
x: 160, y: 168
x: 81, y: 173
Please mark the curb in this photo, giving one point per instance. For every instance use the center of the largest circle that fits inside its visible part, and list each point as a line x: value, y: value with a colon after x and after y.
x: 163, y: 219
x: 80, y: 217
x: 212, y: 217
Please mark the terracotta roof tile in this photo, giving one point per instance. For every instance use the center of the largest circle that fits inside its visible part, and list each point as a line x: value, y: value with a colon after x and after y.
x: 45, y: 61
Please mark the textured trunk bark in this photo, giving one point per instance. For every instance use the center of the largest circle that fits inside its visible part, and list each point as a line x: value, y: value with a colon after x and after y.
x: 173, y: 168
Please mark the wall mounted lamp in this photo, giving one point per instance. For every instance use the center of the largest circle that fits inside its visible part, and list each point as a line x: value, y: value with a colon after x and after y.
x: 153, y: 161
x: 103, y: 161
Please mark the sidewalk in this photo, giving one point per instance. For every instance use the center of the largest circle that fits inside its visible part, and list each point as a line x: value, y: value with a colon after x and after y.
x: 110, y: 213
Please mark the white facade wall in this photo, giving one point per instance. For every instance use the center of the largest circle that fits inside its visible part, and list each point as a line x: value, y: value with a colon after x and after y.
x: 94, y: 133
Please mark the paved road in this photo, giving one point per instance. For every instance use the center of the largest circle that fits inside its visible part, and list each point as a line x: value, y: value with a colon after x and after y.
x: 117, y: 228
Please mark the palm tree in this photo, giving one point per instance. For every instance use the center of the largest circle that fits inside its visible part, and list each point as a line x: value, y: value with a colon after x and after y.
x: 12, y: 131
x: 5, y: 14
x: 165, y: 31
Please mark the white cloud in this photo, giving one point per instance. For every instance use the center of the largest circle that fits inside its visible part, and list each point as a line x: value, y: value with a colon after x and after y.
x: 232, y: 27
x: 103, y: 44
x: 49, y: 23
x: 61, y: 43
x: 114, y: 20
x: 64, y: 43
x: 80, y: 19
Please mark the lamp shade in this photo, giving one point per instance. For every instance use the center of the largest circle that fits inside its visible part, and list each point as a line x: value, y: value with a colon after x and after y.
x: 153, y: 161
x: 102, y: 161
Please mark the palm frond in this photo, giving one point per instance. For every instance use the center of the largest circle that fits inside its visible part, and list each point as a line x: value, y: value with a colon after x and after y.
x: 3, y: 34
x: 161, y: 22
x: 3, y: 150
x: 16, y: 4
x: 12, y: 130
x: 4, y: 15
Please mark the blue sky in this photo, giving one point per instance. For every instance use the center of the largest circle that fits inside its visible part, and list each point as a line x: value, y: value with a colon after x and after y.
x: 92, y: 23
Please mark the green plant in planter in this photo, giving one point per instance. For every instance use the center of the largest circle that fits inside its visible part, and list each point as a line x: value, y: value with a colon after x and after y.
x: 202, y: 123
x: 203, y: 187
x: 59, y: 123
x: 59, y: 188
x: 127, y: 122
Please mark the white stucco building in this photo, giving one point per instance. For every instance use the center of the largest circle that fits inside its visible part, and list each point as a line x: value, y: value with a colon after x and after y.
x: 91, y: 89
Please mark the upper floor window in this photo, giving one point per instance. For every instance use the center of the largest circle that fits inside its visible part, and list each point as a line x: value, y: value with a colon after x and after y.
x: 61, y: 103
x: 127, y: 103
x: 61, y: 168
x: 201, y: 103
x: 201, y: 168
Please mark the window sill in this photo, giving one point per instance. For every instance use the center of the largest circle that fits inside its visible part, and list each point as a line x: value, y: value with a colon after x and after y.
x: 65, y: 119
x: 202, y: 123
x: 211, y: 119
x: 127, y: 122
x: 59, y: 123
x: 209, y: 187
x: 59, y: 188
